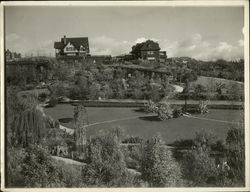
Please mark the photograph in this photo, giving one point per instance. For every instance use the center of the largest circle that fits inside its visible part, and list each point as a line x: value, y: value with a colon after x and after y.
x: 125, y: 95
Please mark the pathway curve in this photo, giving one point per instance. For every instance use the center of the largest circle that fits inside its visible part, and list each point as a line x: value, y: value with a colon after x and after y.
x: 71, y: 131
x: 215, y: 120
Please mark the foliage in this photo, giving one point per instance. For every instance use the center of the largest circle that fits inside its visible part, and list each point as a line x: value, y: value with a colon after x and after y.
x: 204, y: 140
x: 133, y: 140
x: 81, y: 120
x: 29, y: 127
x: 158, y: 167
x: 177, y: 112
x: 199, y: 168
x: 165, y: 111
x: 203, y: 107
x: 236, y: 154
x: 150, y: 106
x: 106, y: 165
x: 52, y: 101
x: 38, y: 170
x: 14, y: 159
x: 34, y: 167
x: 94, y: 91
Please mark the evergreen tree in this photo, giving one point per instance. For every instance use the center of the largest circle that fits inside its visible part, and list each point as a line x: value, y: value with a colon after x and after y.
x: 106, y: 165
x: 158, y: 168
x: 81, y: 120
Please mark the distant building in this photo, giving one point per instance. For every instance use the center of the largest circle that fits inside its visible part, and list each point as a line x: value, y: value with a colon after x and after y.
x: 72, y: 47
x: 148, y: 50
x: 12, y: 56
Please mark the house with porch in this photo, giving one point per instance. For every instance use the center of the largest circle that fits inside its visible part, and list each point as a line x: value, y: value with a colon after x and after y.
x: 76, y: 47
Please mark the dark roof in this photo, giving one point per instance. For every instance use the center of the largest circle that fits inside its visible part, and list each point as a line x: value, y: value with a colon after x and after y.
x: 148, y: 45
x: 58, y: 45
x: 76, y: 41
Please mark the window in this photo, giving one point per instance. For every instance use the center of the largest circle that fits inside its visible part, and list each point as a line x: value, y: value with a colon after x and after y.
x: 70, y: 49
x: 162, y: 54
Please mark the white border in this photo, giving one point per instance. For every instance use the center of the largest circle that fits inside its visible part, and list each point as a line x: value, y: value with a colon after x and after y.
x: 244, y: 3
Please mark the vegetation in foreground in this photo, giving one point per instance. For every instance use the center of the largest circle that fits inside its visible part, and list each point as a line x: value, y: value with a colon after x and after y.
x: 107, y: 158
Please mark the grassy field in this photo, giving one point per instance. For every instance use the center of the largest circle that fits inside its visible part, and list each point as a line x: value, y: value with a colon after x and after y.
x: 138, y: 124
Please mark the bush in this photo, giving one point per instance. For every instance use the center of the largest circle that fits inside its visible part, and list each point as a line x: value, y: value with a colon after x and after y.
x: 165, y: 111
x: 52, y: 102
x: 236, y: 155
x: 177, y: 112
x: 199, y: 168
x: 34, y: 167
x: 133, y: 140
x: 42, y: 97
x: 158, y: 167
x: 106, y: 165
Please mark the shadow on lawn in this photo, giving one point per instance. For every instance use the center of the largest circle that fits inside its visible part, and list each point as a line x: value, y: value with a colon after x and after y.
x: 65, y: 120
x: 150, y: 118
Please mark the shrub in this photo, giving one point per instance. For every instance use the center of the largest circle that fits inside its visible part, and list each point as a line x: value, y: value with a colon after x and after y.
x: 236, y: 155
x: 52, y: 102
x: 42, y: 97
x: 38, y: 170
x: 177, y: 112
x: 199, y: 168
x: 133, y: 140
x: 165, y: 111
x: 158, y: 167
x: 106, y: 165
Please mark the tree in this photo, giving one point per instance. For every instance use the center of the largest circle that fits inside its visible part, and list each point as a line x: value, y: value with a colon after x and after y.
x: 94, y: 91
x: 38, y: 170
x: 107, y: 91
x: 158, y: 167
x: 29, y: 127
x: 106, y: 165
x: 199, y: 168
x: 81, y: 120
x: 236, y: 154
x: 197, y: 165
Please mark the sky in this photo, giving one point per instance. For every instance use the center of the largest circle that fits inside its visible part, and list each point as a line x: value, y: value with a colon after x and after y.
x: 204, y: 33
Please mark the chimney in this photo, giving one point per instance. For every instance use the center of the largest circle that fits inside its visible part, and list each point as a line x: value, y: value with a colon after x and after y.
x: 64, y: 39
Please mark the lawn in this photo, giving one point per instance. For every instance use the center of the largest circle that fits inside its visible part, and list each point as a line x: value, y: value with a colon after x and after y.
x: 138, y: 124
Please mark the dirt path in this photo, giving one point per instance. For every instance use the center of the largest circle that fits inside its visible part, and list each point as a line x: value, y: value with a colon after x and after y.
x: 68, y: 161
x: 73, y: 162
x: 71, y: 131
x: 209, y: 119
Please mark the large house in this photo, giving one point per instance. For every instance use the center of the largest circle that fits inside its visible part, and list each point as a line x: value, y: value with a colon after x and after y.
x: 76, y: 47
x: 148, y: 50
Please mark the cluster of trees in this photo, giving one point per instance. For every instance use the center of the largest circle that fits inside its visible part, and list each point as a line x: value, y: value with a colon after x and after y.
x: 103, y: 82
x: 107, y: 162
x: 233, y: 70
x: 211, y: 162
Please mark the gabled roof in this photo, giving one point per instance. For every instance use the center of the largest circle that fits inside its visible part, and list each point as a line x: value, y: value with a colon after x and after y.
x: 75, y: 41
